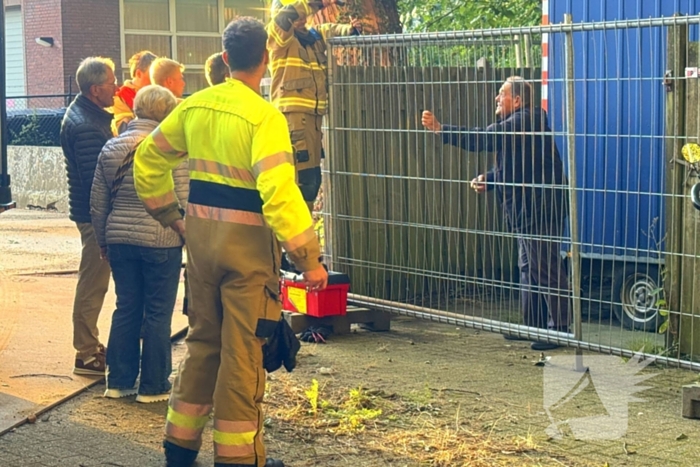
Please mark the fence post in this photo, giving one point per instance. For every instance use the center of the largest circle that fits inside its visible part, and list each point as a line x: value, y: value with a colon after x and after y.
x: 573, y: 197
x: 6, y: 201
x: 329, y: 209
x: 677, y: 48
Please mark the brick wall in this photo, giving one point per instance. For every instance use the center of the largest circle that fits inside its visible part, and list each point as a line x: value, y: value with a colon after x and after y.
x: 90, y: 28
x: 44, y: 65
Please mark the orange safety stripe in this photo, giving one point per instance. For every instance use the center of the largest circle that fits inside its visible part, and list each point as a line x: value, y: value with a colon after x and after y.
x: 217, y: 168
x: 158, y: 202
x: 192, y: 410
x: 300, y: 240
x: 234, y: 438
x: 270, y: 162
x: 234, y: 216
x: 163, y: 144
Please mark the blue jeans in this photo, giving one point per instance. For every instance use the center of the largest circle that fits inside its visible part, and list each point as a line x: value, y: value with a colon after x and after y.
x: 146, y: 282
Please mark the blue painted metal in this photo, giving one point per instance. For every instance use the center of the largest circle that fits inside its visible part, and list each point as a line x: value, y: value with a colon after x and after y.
x: 620, y: 115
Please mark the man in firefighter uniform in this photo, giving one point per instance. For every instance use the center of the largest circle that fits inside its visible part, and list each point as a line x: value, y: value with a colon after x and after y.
x: 243, y: 204
x: 299, y: 90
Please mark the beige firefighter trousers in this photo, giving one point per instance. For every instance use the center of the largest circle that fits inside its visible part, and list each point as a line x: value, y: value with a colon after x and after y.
x: 233, y: 307
x: 306, y: 136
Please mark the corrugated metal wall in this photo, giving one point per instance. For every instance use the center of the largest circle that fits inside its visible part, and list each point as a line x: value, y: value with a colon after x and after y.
x: 620, y: 110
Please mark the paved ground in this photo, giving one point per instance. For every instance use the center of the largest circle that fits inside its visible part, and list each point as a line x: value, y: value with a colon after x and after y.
x: 433, y: 377
x: 36, y: 352
x: 92, y: 431
x: 460, y: 376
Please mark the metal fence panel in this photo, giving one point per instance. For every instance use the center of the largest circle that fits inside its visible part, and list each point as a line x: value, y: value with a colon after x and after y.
x: 405, y: 224
x: 36, y: 120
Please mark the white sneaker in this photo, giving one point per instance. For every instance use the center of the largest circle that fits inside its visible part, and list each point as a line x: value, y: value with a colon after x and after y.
x: 151, y: 398
x: 119, y: 393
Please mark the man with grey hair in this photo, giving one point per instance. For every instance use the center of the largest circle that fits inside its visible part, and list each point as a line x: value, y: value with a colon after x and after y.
x: 530, y: 181
x: 85, y: 129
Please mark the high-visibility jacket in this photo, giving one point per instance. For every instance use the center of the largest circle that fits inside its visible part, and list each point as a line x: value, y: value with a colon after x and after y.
x: 123, y: 108
x: 299, y: 71
x: 241, y: 168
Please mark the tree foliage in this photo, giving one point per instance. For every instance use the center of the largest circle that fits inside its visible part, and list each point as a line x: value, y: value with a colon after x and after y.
x: 451, y: 15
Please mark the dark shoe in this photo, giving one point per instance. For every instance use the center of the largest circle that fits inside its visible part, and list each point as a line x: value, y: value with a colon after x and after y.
x: 268, y: 463
x: 93, y: 366
x: 317, y: 334
x: 176, y: 456
x: 543, y: 346
x: 511, y: 337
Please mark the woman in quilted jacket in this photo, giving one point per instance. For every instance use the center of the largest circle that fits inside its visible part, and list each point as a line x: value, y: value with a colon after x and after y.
x: 145, y: 258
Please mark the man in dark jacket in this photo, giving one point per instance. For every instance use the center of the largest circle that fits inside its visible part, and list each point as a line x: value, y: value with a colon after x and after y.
x: 84, y: 131
x: 530, y: 181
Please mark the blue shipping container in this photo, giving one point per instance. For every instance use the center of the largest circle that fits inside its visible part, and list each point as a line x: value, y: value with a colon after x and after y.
x: 620, y: 119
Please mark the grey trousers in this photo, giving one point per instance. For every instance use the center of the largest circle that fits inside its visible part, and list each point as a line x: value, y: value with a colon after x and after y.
x: 545, y: 294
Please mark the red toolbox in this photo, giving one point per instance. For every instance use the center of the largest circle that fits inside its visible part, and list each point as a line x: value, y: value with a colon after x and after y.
x: 332, y: 301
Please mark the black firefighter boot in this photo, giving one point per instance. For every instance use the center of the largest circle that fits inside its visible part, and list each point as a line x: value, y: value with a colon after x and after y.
x: 176, y: 456
x: 268, y: 463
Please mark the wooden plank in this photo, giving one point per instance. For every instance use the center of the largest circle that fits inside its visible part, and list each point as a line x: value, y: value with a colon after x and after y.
x: 675, y: 114
x: 690, y: 263
x: 432, y: 197
x: 372, y: 319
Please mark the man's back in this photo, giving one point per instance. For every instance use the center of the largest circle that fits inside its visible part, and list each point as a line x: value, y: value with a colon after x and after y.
x: 528, y: 160
x: 240, y: 159
x: 526, y: 150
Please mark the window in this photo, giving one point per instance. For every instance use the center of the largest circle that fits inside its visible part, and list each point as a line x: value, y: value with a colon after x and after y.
x: 188, y: 31
x: 254, y: 8
x: 197, y: 15
x: 146, y: 15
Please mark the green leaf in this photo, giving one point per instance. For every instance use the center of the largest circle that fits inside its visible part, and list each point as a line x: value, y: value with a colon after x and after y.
x: 663, y: 328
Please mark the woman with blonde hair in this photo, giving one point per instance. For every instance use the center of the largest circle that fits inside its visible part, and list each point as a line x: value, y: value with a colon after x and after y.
x: 145, y: 258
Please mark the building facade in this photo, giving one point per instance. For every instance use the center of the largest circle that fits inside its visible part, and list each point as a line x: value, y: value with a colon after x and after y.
x: 47, y: 39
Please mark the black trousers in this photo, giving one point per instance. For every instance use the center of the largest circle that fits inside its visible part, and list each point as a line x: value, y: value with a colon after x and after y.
x: 545, y: 294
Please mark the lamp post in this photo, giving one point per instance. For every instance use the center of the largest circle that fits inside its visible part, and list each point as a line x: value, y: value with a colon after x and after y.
x: 6, y: 201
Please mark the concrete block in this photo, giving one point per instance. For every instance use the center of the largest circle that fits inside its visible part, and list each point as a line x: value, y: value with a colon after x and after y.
x: 691, y: 401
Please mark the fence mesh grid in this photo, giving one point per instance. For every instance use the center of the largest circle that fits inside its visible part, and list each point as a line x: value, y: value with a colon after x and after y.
x: 404, y: 221
x: 36, y: 120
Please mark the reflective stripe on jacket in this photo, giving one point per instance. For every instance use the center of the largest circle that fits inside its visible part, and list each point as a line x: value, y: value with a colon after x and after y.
x: 241, y: 167
x: 299, y: 72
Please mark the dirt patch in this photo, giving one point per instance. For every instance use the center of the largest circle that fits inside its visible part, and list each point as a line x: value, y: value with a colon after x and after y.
x: 446, y: 395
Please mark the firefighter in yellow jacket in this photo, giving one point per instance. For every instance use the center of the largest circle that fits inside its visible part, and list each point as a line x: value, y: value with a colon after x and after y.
x: 243, y: 204
x: 299, y: 90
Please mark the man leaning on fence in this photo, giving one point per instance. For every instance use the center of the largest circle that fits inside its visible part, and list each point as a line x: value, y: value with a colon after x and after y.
x: 243, y: 203
x: 85, y: 129
x: 529, y: 179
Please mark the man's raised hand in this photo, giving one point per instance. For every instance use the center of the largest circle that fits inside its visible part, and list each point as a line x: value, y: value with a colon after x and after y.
x: 430, y: 122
